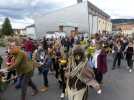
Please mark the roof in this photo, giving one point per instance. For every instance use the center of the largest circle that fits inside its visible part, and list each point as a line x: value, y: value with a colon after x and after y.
x: 33, y: 25
x: 90, y: 4
x: 98, y: 10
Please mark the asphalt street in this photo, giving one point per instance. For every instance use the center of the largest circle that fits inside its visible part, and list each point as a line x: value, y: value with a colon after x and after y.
x: 118, y: 85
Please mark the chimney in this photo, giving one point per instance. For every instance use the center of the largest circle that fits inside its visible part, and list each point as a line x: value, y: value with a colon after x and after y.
x: 79, y: 1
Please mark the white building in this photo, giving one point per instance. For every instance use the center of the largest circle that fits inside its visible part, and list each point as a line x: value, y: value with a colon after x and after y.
x: 124, y: 28
x: 18, y: 31
x: 30, y: 31
x: 83, y: 17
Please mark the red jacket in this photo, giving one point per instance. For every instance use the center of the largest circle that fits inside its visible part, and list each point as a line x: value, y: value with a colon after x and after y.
x: 29, y: 46
x: 102, y: 62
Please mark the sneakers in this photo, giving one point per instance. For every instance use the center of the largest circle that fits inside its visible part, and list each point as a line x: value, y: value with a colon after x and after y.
x: 44, y: 89
x: 62, y: 95
x: 99, y: 91
x: 130, y: 70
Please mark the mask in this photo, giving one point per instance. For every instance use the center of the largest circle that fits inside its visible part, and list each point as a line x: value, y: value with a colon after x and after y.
x: 77, y: 59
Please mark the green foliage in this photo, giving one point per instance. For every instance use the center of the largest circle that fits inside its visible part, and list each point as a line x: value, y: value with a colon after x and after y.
x: 2, y: 43
x: 7, y: 28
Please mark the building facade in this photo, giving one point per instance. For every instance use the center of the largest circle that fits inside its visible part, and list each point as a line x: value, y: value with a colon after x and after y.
x: 99, y: 21
x: 19, y: 31
x: 83, y: 17
x: 30, y: 31
x: 124, y: 28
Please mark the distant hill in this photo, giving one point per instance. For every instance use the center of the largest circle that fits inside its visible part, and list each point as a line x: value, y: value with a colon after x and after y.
x: 120, y: 21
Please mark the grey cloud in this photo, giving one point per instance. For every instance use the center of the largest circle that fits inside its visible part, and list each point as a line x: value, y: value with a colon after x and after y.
x: 22, y: 11
x: 19, y: 10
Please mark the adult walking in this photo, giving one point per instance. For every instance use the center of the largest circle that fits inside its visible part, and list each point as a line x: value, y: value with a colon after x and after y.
x: 118, y: 54
x: 45, y: 70
x: 101, y: 65
x: 23, y: 68
x: 129, y: 53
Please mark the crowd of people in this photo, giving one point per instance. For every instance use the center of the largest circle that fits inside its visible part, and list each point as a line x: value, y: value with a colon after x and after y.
x: 25, y: 55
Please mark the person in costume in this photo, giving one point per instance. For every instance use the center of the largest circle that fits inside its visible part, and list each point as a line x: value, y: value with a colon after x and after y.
x: 80, y: 75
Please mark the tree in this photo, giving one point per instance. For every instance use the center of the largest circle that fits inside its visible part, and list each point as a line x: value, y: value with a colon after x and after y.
x: 7, y: 28
x: 0, y: 33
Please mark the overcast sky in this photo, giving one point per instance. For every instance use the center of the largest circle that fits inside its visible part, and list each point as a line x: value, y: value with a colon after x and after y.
x: 21, y: 11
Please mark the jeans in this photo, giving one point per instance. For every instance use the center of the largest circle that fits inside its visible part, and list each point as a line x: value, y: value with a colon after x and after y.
x: 50, y: 64
x: 130, y: 63
x: 18, y: 82
x: 45, y: 78
x: 25, y: 82
x: 29, y: 55
x: 117, y: 58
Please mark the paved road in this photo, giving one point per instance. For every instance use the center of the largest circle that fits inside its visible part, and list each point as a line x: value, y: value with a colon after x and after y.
x: 118, y: 85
